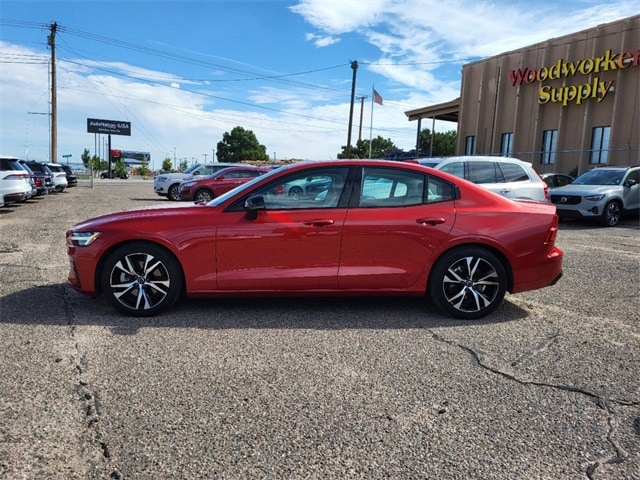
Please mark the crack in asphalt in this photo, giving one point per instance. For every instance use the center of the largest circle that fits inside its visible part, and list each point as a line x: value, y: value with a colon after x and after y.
x: 88, y: 398
x: 619, y: 456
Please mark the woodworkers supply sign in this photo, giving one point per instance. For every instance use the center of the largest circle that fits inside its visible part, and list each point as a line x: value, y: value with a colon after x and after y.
x: 594, y: 89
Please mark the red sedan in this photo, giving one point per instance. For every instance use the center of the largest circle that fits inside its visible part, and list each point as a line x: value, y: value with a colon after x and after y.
x: 379, y: 228
x: 203, y: 190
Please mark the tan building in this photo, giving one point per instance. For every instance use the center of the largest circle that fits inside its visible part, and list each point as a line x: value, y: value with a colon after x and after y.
x: 565, y: 105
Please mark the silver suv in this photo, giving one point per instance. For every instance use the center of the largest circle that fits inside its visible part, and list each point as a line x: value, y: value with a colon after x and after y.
x: 166, y: 184
x: 510, y: 177
x: 604, y: 193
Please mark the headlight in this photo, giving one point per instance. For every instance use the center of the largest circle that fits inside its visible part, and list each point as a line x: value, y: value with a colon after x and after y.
x: 186, y: 184
x: 594, y: 198
x: 162, y: 179
x: 82, y: 239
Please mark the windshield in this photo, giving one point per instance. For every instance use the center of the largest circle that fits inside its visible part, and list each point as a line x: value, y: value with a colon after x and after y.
x: 600, y: 177
x: 192, y: 168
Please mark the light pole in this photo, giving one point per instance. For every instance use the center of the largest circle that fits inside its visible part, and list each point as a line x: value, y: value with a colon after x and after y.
x: 67, y: 156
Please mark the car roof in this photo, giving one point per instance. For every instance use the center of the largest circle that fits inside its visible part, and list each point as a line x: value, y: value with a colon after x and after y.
x: 476, y: 158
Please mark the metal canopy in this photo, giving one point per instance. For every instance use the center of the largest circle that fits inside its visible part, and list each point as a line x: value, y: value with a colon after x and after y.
x: 444, y: 111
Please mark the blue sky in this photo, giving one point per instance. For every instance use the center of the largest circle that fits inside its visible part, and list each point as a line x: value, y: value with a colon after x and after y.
x: 185, y: 72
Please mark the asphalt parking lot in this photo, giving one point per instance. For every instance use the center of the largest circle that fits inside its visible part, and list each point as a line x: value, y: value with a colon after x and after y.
x: 547, y: 387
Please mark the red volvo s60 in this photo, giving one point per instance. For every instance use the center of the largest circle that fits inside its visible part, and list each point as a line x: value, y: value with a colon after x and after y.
x: 373, y: 228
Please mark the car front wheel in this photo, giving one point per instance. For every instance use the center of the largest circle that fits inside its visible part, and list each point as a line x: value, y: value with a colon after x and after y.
x: 468, y: 283
x: 141, y: 279
x: 174, y: 192
x: 611, y: 214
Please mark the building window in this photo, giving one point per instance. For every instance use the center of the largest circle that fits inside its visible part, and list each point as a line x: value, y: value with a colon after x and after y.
x: 506, y: 146
x: 549, y: 140
x: 469, y: 145
x: 600, y: 144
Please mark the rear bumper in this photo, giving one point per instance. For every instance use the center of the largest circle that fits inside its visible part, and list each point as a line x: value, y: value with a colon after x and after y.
x: 543, y: 274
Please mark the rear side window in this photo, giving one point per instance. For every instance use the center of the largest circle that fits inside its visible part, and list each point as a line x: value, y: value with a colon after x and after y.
x: 8, y: 164
x: 439, y: 190
x: 513, y: 172
x: 484, y: 172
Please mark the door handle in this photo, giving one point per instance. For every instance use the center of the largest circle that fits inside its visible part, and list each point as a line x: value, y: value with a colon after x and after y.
x: 430, y: 221
x: 319, y: 222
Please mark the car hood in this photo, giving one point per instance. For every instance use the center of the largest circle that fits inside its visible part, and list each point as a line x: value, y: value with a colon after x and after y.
x: 583, y: 189
x: 173, y: 214
x: 171, y: 176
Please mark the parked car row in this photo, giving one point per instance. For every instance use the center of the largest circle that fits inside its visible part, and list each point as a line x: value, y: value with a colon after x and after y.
x: 21, y: 180
x: 603, y: 193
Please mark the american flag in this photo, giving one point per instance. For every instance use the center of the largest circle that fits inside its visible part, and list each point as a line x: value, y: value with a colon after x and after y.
x: 376, y: 97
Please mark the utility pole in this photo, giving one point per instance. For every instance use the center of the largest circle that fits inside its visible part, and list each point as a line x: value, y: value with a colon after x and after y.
x: 51, y: 41
x: 354, y: 67
x: 361, y: 110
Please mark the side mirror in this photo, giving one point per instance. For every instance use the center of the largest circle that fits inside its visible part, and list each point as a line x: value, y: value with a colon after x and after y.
x: 252, y: 205
x: 630, y: 183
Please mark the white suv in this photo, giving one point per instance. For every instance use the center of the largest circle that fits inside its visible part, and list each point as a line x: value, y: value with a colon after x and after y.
x: 14, y: 181
x: 60, y: 181
x: 167, y: 184
x: 604, y: 193
x: 510, y: 177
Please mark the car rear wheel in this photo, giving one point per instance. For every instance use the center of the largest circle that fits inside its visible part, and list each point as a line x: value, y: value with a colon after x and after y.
x: 174, y: 192
x: 295, y: 193
x: 468, y: 283
x: 141, y: 279
x: 611, y: 214
x: 203, y: 196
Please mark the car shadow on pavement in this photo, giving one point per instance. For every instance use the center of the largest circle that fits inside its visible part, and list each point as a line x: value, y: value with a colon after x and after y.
x: 60, y: 305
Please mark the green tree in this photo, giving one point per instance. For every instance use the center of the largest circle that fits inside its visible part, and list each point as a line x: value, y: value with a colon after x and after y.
x: 379, y: 148
x: 167, y: 165
x: 444, y: 144
x: 240, y: 145
x: 120, y: 168
x: 144, y: 170
x: 96, y: 164
x: 86, y: 158
x: 183, y: 165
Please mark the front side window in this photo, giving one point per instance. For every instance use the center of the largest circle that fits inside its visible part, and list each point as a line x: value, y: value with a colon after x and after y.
x: 549, y: 140
x: 321, y: 189
x: 454, y: 168
x: 600, y: 144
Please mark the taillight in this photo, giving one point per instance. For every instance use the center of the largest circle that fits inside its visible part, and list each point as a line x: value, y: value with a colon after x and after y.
x: 15, y: 176
x: 552, y: 233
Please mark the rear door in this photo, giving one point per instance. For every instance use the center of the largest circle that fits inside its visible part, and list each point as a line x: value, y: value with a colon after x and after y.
x: 396, y: 221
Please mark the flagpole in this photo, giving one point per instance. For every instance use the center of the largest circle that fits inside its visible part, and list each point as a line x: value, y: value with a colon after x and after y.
x: 371, y: 126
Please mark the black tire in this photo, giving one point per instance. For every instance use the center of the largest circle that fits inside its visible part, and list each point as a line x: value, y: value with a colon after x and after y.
x: 468, y: 283
x: 174, y: 192
x: 296, y: 193
x: 141, y: 279
x: 611, y: 214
